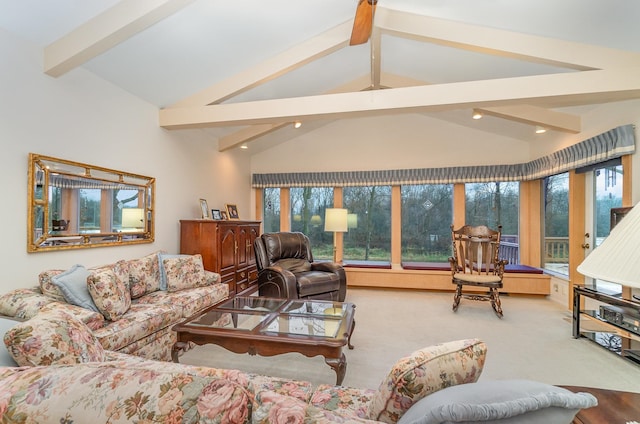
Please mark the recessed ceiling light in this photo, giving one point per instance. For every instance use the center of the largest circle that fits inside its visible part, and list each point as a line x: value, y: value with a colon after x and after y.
x: 297, y: 124
x: 477, y: 114
x: 244, y: 146
x: 540, y: 130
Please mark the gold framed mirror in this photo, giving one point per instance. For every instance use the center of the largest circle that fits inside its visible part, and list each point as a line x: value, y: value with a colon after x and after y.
x: 73, y: 205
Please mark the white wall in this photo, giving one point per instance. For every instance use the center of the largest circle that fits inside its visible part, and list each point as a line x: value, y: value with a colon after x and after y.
x: 389, y: 142
x: 83, y: 118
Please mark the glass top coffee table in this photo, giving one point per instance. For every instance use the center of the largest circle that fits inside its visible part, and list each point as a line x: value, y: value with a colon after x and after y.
x: 267, y: 326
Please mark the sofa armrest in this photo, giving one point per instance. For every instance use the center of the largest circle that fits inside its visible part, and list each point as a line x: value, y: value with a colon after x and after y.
x: 326, y: 266
x: 211, y: 277
x: 336, y: 268
x: 275, y: 281
x: 426, y: 371
x: 23, y: 304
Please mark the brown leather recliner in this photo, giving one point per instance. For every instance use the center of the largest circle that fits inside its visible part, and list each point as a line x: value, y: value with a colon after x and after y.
x: 286, y: 269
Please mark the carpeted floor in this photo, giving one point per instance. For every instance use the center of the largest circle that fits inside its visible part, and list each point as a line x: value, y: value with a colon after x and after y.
x: 532, y: 341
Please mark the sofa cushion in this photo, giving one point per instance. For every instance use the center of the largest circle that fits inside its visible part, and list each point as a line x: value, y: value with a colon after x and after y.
x: 343, y: 400
x: 189, y: 301
x: 23, y: 303
x: 426, y: 371
x: 155, y: 346
x: 317, y: 282
x: 109, y: 293
x: 6, y: 360
x: 73, y: 285
x: 138, y: 322
x: 504, y: 402
x: 144, y: 275
x: 182, y: 272
x: 273, y: 407
x: 99, y: 394
x: 54, y: 337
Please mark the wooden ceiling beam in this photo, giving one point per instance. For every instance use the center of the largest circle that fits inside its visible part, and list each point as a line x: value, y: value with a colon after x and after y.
x: 566, y: 89
x: 294, y: 58
x: 105, y: 31
x: 253, y: 132
x: 535, y: 115
x: 498, y: 42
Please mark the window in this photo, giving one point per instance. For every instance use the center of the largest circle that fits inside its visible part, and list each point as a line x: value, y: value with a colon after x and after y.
x: 426, y: 220
x: 555, y: 201
x: 494, y: 204
x: 271, y: 210
x: 89, y: 210
x: 307, y: 216
x: 607, y: 195
x: 370, y: 238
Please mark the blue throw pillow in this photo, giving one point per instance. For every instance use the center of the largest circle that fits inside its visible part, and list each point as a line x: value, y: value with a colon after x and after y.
x: 73, y: 285
x: 499, y: 401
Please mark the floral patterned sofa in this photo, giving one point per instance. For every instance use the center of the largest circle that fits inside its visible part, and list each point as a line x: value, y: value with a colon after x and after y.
x: 74, y: 379
x: 130, y: 306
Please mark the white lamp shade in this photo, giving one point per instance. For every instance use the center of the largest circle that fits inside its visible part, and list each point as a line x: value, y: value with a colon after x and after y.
x: 617, y: 259
x: 132, y: 218
x: 335, y: 220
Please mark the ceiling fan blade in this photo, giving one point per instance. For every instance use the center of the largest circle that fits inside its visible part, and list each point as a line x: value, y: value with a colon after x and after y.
x: 363, y: 22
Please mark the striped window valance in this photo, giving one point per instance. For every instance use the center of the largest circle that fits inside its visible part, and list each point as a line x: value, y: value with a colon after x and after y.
x: 612, y: 144
x: 75, y: 183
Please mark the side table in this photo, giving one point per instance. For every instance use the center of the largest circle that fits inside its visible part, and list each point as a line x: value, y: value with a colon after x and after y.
x: 614, y: 407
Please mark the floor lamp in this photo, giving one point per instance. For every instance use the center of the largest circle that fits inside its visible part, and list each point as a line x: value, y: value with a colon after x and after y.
x: 335, y: 220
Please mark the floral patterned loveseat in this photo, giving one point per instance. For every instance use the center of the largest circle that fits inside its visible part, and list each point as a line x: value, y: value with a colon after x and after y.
x: 130, y: 306
x: 64, y: 375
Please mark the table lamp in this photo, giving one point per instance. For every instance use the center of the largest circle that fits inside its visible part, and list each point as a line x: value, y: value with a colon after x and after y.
x: 133, y: 218
x: 335, y: 220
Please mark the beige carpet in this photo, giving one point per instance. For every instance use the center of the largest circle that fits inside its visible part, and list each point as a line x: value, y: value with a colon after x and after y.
x: 532, y: 341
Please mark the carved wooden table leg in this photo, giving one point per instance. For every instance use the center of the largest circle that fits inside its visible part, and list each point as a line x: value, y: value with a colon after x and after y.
x: 339, y: 365
x: 350, y: 334
x: 176, y: 349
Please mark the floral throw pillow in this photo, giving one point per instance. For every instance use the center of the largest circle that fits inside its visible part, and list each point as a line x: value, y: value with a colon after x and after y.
x: 426, y: 371
x: 109, y: 293
x: 51, y: 338
x: 183, y: 272
x: 144, y: 275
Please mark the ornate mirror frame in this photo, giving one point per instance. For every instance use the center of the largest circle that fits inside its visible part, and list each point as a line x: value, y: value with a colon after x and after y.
x: 73, y: 205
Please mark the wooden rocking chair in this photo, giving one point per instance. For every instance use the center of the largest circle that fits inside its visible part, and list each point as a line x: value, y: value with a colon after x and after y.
x: 475, y: 263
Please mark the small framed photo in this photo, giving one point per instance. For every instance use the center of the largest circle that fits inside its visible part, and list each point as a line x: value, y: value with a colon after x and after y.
x: 224, y: 215
x: 232, y: 210
x: 204, y: 208
x: 215, y: 214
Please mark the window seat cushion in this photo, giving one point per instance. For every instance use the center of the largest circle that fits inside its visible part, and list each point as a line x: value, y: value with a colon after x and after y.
x: 444, y: 266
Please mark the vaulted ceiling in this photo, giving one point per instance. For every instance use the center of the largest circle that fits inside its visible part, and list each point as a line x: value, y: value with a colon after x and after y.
x: 242, y: 70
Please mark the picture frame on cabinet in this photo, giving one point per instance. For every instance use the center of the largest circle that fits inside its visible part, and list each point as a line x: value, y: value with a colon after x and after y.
x: 232, y: 210
x: 204, y: 208
x: 224, y: 216
x: 215, y: 214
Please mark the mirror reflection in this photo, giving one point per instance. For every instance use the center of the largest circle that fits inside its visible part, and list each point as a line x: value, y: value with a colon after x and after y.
x: 75, y: 205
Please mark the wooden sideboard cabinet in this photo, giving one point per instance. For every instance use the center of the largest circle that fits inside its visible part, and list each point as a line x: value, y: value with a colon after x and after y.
x: 226, y: 248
